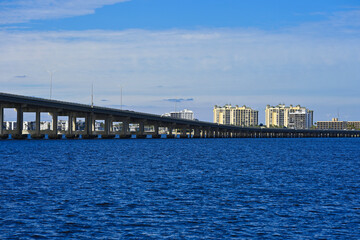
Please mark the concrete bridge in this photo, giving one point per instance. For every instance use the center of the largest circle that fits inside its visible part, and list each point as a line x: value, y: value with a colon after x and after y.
x: 147, y: 124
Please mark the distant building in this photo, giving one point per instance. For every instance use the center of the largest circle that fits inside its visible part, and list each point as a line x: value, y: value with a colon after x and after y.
x: 80, y: 125
x: 62, y: 125
x: 29, y: 125
x: 10, y: 125
x: 238, y: 116
x: 335, y: 124
x: 99, y: 126
x: 184, y: 114
x: 290, y: 117
x: 353, y: 125
x: 45, y: 126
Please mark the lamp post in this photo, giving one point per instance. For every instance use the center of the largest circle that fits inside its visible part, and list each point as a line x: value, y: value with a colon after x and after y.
x: 51, y: 76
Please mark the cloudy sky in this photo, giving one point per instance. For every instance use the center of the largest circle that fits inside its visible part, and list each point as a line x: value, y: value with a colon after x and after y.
x: 185, y: 53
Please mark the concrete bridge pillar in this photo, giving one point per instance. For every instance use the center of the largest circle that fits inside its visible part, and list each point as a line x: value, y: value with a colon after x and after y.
x: 54, y: 124
x: 170, y: 132
x: 212, y: 134
x: 217, y: 133
x: 196, y: 132
x: 156, y: 129
x: 183, y: 133
x: 37, y: 123
x: 202, y: 133
x: 141, y: 129
x: 88, y: 125
x: 71, y: 124
x: 1, y: 120
x: 19, y: 120
x: 108, y: 122
x: 125, y: 128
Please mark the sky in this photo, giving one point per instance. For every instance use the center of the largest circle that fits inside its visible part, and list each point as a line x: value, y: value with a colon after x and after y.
x: 174, y: 54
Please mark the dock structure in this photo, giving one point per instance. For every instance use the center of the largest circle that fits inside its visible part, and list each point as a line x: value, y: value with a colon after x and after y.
x: 148, y: 125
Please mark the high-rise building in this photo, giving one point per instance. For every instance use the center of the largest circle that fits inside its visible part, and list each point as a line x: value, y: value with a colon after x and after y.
x: 238, y: 116
x: 291, y: 117
x: 184, y: 114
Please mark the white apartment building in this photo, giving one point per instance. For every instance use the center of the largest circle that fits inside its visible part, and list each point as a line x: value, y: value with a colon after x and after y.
x: 184, y: 114
x: 238, y: 116
x: 290, y: 117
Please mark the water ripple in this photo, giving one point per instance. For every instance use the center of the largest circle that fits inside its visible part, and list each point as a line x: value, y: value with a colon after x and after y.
x: 190, y: 189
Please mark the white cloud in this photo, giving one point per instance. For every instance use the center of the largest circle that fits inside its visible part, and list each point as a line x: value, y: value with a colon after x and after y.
x: 20, y: 11
x: 305, y: 65
x: 212, y: 70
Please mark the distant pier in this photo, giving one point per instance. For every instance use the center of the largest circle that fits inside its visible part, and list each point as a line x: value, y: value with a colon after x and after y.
x: 171, y: 127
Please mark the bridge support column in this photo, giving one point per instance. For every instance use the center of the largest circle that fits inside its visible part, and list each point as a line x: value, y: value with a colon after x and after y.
x: 107, y: 126
x: 71, y: 126
x: 54, y: 122
x: 202, y: 133
x: 125, y: 129
x: 19, y: 122
x: 141, y: 133
x: 196, y: 132
x: 211, y: 133
x: 183, y: 133
x: 218, y: 134
x: 170, y: 132
x: 108, y: 122
x: 1, y: 120
x: 156, y: 132
x: 37, y: 123
x: 88, y: 126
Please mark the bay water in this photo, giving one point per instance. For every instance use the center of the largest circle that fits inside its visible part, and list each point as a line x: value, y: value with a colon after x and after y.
x: 180, y: 189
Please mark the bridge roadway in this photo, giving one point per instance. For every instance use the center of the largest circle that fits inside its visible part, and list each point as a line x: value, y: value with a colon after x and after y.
x: 147, y: 124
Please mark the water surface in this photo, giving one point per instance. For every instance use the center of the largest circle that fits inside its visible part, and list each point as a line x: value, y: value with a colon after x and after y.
x: 180, y: 189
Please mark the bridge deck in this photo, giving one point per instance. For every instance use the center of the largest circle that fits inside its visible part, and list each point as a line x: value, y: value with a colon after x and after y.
x: 198, y: 128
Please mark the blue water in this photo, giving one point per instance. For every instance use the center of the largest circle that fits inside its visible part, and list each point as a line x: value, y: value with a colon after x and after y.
x: 180, y: 189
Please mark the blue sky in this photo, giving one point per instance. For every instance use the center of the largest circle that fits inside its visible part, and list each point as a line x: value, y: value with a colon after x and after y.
x: 165, y: 14
x: 213, y: 52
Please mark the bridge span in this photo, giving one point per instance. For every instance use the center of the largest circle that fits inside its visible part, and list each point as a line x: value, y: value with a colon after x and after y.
x: 147, y: 124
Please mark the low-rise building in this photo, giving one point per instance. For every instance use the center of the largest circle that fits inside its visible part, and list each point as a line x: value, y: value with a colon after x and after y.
x: 335, y: 124
x: 353, y: 125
